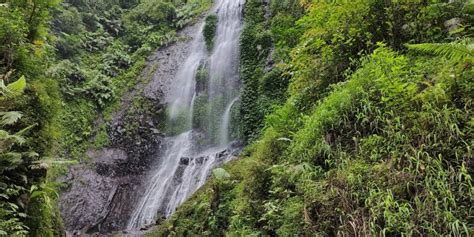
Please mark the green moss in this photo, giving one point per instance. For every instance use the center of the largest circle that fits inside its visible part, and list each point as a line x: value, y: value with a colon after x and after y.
x: 202, y: 79
x: 255, y: 46
x: 101, y: 138
x: 209, y: 31
x: 45, y: 218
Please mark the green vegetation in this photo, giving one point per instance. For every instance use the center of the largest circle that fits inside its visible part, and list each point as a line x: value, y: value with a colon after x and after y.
x: 64, y: 65
x: 29, y: 103
x: 264, y: 86
x: 357, y: 115
x: 362, y: 125
x: 113, y: 39
x: 210, y: 30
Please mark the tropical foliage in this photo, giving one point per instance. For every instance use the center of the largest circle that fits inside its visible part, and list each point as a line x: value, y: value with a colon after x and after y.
x: 63, y: 64
x: 357, y: 116
x: 360, y: 126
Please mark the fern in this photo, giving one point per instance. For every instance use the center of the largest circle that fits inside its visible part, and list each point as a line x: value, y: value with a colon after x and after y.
x: 9, y: 118
x: 456, y: 50
x: 7, y: 140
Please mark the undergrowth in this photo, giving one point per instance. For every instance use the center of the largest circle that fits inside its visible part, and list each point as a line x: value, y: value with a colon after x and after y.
x: 372, y: 139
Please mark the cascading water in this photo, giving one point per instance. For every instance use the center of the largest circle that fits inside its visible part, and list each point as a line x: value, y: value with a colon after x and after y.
x: 182, y: 92
x: 187, y: 163
x: 224, y: 83
x: 224, y: 131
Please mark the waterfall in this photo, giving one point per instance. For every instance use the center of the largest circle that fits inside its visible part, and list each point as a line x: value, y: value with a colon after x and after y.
x: 187, y: 163
x: 182, y: 91
x: 225, y: 125
x: 224, y: 83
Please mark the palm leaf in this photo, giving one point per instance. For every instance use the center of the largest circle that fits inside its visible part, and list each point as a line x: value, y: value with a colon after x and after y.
x: 5, y: 136
x: 24, y: 130
x: 3, y: 88
x: 457, y: 50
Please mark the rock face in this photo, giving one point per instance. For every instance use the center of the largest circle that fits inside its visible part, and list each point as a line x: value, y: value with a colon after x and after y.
x: 95, y: 200
x: 100, y: 193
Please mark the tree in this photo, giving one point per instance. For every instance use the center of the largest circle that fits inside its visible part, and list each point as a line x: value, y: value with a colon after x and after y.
x: 13, y: 32
x: 36, y: 12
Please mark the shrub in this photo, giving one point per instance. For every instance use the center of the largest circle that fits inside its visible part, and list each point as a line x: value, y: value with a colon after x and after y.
x: 100, y: 89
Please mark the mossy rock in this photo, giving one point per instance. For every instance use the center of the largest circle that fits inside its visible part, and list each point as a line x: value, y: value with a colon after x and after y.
x: 210, y: 30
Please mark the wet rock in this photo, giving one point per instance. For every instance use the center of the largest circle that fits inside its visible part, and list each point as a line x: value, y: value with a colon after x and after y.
x: 140, y: 140
x: 96, y: 200
x: 99, y: 195
x: 200, y: 160
x: 167, y: 61
x: 184, y: 161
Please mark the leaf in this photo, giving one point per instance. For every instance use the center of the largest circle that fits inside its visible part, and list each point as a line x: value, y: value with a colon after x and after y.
x: 7, y: 140
x: 455, y: 50
x: 18, y: 86
x: 24, y: 130
x: 12, y: 159
x: 33, y: 188
x: 284, y: 139
x: 3, y: 88
x: 22, y: 215
x: 13, y: 206
x: 31, y: 154
x: 9, y: 118
x: 36, y: 194
x: 220, y: 174
x: 4, y: 135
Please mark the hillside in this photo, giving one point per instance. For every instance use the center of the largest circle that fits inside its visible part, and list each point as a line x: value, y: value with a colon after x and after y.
x: 236, y: 118
x: 359, y: 120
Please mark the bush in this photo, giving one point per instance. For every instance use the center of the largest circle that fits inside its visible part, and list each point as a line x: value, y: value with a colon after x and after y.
x: 68, y: 46
x: 96, y: 41
x: 152, y: 12
x: 68, y: 21
x: 100, y: 89
x: 115, y: 60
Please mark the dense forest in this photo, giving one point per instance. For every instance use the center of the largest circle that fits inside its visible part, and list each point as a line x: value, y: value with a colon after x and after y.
x: 355, y: 117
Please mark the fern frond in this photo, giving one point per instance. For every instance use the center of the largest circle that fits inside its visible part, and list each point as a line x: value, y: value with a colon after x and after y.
x: 9, y: 118
x: 7, y: 140
x: 457, y: 50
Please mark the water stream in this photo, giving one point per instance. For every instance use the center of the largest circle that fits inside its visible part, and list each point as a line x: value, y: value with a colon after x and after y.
x: 225, y: 125
x: 198, y: 147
